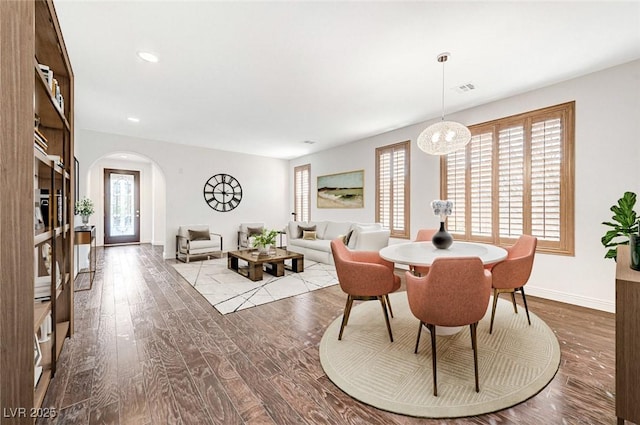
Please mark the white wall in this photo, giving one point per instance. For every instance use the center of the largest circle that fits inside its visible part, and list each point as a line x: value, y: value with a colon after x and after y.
x: 607, y: 152
x: 159, y: 201
x: 186, y: 169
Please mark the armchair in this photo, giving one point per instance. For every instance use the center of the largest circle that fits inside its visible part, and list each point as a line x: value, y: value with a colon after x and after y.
x: 364, y: 276
x: 510, y: 275
x: 245, y: 233
x: 423, y: 236
x: 197, y: 240
x: 455, y: 292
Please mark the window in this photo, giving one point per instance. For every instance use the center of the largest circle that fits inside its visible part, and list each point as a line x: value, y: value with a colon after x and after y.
x: 301, y: 204
x: 516, y: 176
x: 392, y: 188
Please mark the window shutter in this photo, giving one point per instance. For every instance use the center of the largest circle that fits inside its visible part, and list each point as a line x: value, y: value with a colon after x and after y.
x: 511, y: 181
x: 302, y: 192
x: 546, y: 139
x: 392, y: 184
x: 456, y: 190
x: 384, y: 189
x: 515, y: 177
x: 481, y: 164
x: 398, y: 190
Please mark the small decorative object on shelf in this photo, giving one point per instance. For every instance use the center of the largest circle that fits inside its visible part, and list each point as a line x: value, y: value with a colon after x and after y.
x: 84, y: 208
x: 265, y: 241
x: 442, y: 239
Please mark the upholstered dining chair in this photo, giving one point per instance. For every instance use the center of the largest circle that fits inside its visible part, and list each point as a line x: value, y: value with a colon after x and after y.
x: 424, y: 235
x: 454, y: 293
x: 364, y: 275
x: 510, y: 275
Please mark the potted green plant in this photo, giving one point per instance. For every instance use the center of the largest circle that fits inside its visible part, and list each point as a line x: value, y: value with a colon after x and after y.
x: 626, y: 225
x: 265, y: 240
x: 84, y: 207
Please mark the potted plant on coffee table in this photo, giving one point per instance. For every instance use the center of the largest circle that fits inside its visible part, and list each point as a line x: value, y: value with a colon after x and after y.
x: 264, y: 241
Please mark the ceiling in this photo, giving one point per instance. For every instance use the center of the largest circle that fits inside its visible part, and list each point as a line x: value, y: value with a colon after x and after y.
x: 264, y: 77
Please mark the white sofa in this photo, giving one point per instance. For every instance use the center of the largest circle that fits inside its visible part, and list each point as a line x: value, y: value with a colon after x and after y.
x: 362, y: 237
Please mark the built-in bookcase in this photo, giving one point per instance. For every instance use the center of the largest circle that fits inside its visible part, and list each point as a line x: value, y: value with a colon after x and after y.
x: 36, y: 212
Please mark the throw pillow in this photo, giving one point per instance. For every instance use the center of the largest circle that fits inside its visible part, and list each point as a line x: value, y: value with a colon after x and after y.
x: 303, y: 228
x: 346, y: 237
x: 199, y: 235
x: 253, y: 231
x: 309, y: 235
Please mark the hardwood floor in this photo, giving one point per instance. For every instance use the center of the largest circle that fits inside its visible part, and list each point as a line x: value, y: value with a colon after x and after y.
x: 148, y: 349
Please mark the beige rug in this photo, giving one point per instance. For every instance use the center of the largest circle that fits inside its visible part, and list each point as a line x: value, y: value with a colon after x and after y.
x: 515, y: 362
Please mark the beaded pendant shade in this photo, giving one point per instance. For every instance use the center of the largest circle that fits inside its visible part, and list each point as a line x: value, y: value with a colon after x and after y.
x: 445, y: 136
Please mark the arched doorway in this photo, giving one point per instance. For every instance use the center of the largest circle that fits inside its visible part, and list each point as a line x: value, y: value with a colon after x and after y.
x: 152, y: 191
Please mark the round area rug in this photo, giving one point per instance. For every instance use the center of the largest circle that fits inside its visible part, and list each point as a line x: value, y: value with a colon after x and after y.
x: 514, y: 363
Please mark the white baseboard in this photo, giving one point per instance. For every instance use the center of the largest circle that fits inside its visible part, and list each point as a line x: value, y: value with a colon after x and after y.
x: 574, y: 299
x: 564, y: 297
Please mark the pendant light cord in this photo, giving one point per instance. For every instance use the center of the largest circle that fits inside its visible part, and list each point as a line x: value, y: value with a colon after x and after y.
x: 442, y: 118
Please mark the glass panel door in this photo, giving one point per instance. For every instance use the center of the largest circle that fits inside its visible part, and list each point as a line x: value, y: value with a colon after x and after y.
x: 122, y: 206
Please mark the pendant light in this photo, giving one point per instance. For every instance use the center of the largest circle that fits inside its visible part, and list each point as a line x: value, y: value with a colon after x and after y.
x: 445, y: 136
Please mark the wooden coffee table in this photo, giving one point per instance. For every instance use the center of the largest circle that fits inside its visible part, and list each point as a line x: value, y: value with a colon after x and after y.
x: 273, y: 263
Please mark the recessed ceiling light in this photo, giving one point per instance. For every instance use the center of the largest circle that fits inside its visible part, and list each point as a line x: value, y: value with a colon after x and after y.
x: 133, y: 119
x: 147, y: 56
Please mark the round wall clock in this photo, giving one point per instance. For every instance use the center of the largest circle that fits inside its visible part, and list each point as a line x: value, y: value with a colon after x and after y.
x: 222, y: 192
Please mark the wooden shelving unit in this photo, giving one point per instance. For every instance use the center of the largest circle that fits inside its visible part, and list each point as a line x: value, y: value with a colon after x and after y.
x: 36, y: 213
x: 627, y: 339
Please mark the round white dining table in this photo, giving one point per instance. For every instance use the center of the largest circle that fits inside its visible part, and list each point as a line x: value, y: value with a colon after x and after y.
x: 423, y: 253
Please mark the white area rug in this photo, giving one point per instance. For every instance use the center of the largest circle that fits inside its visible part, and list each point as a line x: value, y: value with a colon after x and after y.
x: 515, y: 362
x: 228, y: 291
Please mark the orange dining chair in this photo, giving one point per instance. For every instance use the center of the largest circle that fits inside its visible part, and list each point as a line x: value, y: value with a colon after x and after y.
x: 510, y: 275
x: 454, y: 293
x: 364, y: 276
x: 424, y: 235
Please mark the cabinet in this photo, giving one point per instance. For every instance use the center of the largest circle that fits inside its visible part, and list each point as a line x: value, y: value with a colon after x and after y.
x: 36, y: 212
x: 627, y: 339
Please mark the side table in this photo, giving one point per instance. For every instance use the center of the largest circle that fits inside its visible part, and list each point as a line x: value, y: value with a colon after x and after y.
x: 86, y: 235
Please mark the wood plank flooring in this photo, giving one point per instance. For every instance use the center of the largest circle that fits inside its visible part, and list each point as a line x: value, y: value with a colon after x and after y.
x: 149, y: 350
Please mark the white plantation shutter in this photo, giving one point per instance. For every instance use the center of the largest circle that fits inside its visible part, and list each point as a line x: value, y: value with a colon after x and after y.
x: 392, y: 184
x: 398, y: 205
x: 511, y: 182
x: 302, y: 192
x: 480, y: 159
x: 384, y: 189
x: 456, y: 190
x: 515, y: 177
x: 546, y: 156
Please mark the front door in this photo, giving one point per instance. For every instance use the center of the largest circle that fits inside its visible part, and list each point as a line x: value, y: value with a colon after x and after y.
x: 121, y: 206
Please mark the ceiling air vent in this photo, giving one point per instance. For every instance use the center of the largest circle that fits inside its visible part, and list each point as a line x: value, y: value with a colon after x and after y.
x: 463, y: 88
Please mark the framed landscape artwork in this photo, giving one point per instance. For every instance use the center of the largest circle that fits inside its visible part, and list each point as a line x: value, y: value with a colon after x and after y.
x: 342, y: 190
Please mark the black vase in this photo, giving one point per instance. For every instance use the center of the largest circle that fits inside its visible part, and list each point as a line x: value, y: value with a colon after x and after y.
x: 634, y: 249
x: 442, y: 239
